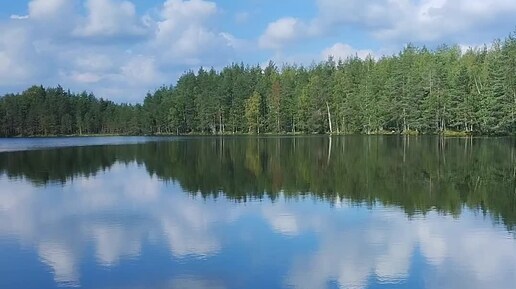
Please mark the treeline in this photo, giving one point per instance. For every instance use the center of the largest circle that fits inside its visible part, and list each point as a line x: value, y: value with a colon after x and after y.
x: 417, y: 91
x: 54, y: 111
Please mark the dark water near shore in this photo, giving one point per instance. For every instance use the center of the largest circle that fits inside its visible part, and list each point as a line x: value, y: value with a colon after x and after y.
x: 291, y: 212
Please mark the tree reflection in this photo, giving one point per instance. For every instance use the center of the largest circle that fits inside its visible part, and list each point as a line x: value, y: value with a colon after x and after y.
x: 416, y: 174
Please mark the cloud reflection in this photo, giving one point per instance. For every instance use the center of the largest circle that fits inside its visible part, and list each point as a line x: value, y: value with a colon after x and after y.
x: 117, y: 213
x: 379, y: 247
x: 63, y: 262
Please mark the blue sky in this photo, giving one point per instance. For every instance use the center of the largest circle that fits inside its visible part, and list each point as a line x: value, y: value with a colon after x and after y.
x: 121, y: 49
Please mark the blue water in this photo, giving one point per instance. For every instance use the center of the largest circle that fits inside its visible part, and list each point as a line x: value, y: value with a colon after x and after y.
x: 126, y: 227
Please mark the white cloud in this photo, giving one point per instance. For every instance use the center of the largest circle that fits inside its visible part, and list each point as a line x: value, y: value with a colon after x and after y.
x: 178, y: 16
x: 343, y: 51
x: 179, y: 11
x: 282, y: 32
x: 91, y: 61
x: 185, y: 33
x: 233, y: 42
x: 49, y: 9
x: 425, y: 20
x: 95, y: 44
x: 17, y: 61
x: 107, y: 47
x: 369, y: 13
x: 19, y: 17
x: 84, y: 77
x: 108, y: 18
x: 141, y: 69
x: 398, y: 21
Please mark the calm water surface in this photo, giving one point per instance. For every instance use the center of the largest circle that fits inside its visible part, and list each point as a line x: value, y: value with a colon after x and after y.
x: 312, y: 212
x: 21, y: 144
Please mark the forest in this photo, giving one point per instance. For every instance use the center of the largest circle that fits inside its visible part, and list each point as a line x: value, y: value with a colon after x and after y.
x: 418, y: 91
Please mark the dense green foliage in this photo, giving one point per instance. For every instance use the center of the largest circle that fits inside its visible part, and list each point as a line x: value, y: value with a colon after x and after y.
x: 54, y: 111
x: 418, y: 174
x: 416, y: 91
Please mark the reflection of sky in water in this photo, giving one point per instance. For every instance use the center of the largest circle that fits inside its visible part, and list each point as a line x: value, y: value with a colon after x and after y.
x: 125, y: 229
x: 23, y: 144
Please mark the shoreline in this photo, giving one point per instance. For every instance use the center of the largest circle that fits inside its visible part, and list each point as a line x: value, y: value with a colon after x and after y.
x: 442, y: 135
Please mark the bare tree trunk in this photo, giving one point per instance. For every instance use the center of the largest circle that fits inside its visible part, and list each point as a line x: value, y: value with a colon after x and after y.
x: 221, y: 129
x: 278, y: 122
x: 258, y: 124
x: 444, y: 120
x: 477, y: 86
x: 329, y: 118
x: 404, y: 121
x: 343, y: 125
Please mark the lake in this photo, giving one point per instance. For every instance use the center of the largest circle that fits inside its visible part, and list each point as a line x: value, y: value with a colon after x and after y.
x: 258, y: 212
